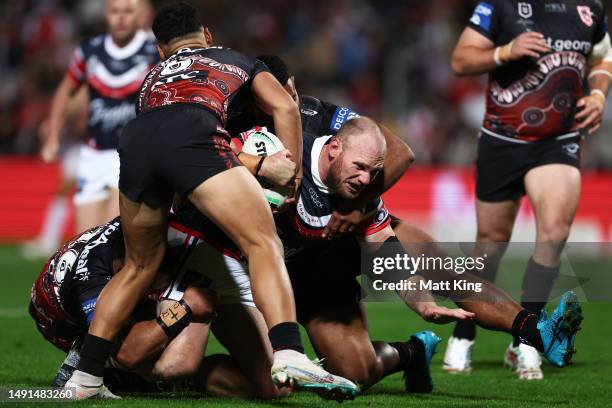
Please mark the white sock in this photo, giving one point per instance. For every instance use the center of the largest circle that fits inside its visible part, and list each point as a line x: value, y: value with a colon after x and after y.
x: 54, y: 222
x: 84, y: 379
x: 288, y: 354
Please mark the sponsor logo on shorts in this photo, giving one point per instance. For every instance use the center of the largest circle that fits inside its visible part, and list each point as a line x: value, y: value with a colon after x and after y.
x: 88, y: 308
x: 572, y: 149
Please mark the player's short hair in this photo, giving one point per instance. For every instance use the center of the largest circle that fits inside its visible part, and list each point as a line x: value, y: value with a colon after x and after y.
x: 359, y: 125
x: 175, y: 21
x: 277, y: 67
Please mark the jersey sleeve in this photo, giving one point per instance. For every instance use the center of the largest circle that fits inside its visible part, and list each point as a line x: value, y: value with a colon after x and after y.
x: 338, y: 116
x: 377, y: 219
x: 76, y: 67
x: 601, y: 24
x: 486, y: 19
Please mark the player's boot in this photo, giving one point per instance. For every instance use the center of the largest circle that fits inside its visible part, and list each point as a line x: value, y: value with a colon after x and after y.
x: 292, y: 369
x: 458, y: 356
x: 558, y: 332
x: 85, y: 386
x: 417, y: 377
x: 525, y: 360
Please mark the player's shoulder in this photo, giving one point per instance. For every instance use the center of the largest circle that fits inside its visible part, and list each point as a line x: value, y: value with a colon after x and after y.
x: 92, y: 45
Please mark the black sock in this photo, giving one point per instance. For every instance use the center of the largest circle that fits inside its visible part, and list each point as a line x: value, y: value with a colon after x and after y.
x: 286, y: 336
x: 537, y: 285
x: 525, y: 329
x: 409, y: 352
x: 94, y: 353
x: 465, y: 330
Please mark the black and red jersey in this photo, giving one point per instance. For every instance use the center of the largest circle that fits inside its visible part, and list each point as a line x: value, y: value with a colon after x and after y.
x: 533, y: 99
x: 210, y: 77
x: 113, y: 77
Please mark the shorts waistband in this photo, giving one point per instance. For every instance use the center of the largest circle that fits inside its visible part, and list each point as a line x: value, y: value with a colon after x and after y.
x: 520, y: 141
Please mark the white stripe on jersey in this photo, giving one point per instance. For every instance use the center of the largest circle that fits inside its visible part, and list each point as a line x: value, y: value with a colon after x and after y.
x: 96, y: 68
x: 129, y: 50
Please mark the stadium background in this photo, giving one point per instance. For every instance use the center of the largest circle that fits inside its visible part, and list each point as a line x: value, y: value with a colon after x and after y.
x: 387, y: 59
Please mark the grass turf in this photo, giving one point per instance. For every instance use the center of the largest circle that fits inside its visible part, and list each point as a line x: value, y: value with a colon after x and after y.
x: 26, y: 360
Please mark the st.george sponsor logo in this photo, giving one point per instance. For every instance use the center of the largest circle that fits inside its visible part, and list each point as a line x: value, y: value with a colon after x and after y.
x: 560, y: 45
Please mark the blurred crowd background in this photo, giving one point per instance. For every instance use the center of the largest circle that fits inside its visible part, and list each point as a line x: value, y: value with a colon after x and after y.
x: 384, y: 58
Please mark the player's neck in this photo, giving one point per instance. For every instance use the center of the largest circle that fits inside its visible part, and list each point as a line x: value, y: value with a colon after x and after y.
x: 124, y: 41
x: 192, y: 42
x: 324, y: 165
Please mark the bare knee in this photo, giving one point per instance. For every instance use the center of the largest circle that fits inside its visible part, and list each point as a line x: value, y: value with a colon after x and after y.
x: 365, y: 370
x: 269, y: 244
x: 553, y: 231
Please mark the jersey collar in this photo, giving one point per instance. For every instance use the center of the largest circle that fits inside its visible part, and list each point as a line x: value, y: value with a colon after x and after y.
x: 315, y: 154
x: 130, y: 49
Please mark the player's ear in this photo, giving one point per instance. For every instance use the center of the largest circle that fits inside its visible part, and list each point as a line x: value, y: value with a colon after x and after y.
x: 335, y: 148
x: 160, y: 51
x: 208, y: 36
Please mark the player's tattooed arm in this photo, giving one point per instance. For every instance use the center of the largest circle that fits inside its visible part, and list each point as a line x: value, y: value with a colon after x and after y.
x: 475, y: 54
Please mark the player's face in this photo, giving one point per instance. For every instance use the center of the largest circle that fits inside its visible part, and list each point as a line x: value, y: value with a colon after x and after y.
x: 356, y: 166
x: 122, y: 19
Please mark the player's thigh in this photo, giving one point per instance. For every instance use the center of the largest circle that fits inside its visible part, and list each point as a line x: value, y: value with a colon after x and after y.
x: 111, y: 209
x: 144, y: 231
x: 242, y: 330
x: 235, y: 201
x: 88, y: 215
x: 554, y: 192
x: 340, y: 336
x: 495, y: 220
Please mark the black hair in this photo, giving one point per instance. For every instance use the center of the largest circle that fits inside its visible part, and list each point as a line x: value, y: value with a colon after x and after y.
x: 176, y: 20
x: 277, y: 67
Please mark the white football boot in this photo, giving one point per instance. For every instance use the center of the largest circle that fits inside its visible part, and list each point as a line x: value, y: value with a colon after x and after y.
x: 525, y: 361
x: 292, y: 369
x: 458, y: 356
x: 87, y: 386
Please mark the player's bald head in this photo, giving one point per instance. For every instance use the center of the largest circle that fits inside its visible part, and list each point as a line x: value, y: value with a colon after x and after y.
x: 363, y: 133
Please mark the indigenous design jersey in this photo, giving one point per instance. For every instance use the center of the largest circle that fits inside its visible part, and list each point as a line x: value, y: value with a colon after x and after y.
x: 209, y: 77
x: 534, y: 99
x: 113, y: 76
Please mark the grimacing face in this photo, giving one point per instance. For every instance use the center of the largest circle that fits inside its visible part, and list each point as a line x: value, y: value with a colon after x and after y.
x: 355, y: 166
x: 122, y: 19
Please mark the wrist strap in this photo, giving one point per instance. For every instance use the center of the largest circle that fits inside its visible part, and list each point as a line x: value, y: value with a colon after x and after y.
x: 600, y: 72
x: 259, y: 165
x: 175, y: 319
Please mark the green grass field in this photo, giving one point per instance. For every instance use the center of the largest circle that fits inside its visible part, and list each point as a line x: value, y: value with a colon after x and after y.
x: 27, y: 360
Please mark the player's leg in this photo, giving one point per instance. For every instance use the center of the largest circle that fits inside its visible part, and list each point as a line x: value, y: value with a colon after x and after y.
x: 554, y: 192
x: 144, y: 231
x: 242, y: 331
x: 340, y: 337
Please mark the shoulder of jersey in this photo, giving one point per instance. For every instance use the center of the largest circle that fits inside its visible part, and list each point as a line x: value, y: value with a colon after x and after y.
x: 92, y: 43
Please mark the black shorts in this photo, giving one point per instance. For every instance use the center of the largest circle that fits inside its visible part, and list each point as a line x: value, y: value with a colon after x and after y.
x: 326, y: 281
x: 171, y: 149
x: 501, y: 165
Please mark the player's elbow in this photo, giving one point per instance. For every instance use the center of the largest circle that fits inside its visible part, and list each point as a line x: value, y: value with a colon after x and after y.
x: 287, y: 109
x: 458, y: 63
x: 172, y: 370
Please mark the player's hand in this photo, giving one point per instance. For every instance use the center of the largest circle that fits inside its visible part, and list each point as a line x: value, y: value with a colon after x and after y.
x: 50, y: 150
x: 278, y: 169
x: 343, y: 221
x: 201, y: 301
x: 528, y: 44
x: 590, y: 112
x: 442, y: 315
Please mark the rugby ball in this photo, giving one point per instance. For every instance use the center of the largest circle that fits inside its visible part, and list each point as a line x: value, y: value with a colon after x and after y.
x: 260, y: 142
